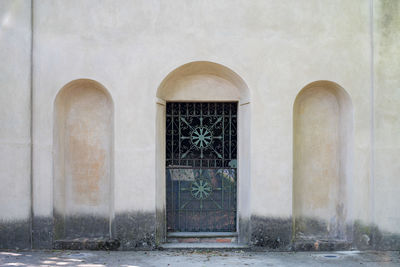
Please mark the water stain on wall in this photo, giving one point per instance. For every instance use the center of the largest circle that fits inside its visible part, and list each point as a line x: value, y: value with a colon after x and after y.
x: 88, y: 168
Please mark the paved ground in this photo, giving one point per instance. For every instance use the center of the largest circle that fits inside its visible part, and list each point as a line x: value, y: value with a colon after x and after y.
x: 197, y: 258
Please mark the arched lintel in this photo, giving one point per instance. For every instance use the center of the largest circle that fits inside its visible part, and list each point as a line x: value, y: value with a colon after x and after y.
x: 203, y: 68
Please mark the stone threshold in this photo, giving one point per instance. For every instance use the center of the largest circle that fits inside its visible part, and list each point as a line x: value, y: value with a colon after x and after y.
x: 202, y: 240
x: 202, y: 237
x: 203, y: 246
x: 202, y: 234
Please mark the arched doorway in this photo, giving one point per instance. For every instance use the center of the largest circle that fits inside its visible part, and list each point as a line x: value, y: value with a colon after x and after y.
x: 203, y: 148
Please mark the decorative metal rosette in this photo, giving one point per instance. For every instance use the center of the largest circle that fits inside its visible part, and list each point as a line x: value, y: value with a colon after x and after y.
x: 201, y: 189
x: 201, y: 137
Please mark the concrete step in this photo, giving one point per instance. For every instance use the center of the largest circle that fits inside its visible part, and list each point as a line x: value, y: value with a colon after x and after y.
x: 205, y: 246
x: 202, y: 237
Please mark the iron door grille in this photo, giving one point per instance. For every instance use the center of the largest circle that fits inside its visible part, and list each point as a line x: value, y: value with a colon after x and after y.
x: 201, y: 166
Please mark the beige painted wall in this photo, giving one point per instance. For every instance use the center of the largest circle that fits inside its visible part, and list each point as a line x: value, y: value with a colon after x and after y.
x: 15, y: 58
x: 386, y: 188
x: 276, y: 47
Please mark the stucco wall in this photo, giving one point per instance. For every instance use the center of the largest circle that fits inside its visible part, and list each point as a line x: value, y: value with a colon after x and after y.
x: 15, y: 116
x: 276, y: 47
x: 387, y: 115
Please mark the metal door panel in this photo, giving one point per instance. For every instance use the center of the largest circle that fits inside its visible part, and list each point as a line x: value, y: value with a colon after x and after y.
x: 201, y: 151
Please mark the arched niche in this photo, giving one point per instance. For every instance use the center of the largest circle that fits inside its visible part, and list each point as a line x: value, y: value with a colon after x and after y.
x: 323, y: 162
x: 83, y: 161
x: 201, y: 81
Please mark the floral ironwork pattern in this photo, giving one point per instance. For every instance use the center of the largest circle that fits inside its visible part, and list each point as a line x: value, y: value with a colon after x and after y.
x: 201, y: 189
x: 201, y: 134
x: 201, y: 151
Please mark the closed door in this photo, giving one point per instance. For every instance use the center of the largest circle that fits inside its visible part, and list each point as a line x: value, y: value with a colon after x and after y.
x: 201, y: 166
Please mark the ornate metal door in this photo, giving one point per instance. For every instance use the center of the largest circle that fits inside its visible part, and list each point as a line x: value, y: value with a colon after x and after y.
x: 201, y: 152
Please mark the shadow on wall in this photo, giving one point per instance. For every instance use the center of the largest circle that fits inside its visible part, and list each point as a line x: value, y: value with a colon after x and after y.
x: 83, y: 161
x: 322, y: 163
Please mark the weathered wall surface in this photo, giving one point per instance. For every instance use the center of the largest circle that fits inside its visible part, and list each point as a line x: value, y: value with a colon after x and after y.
x: 15, y: 114
x: 386, y: 189
x: 276, y: 47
